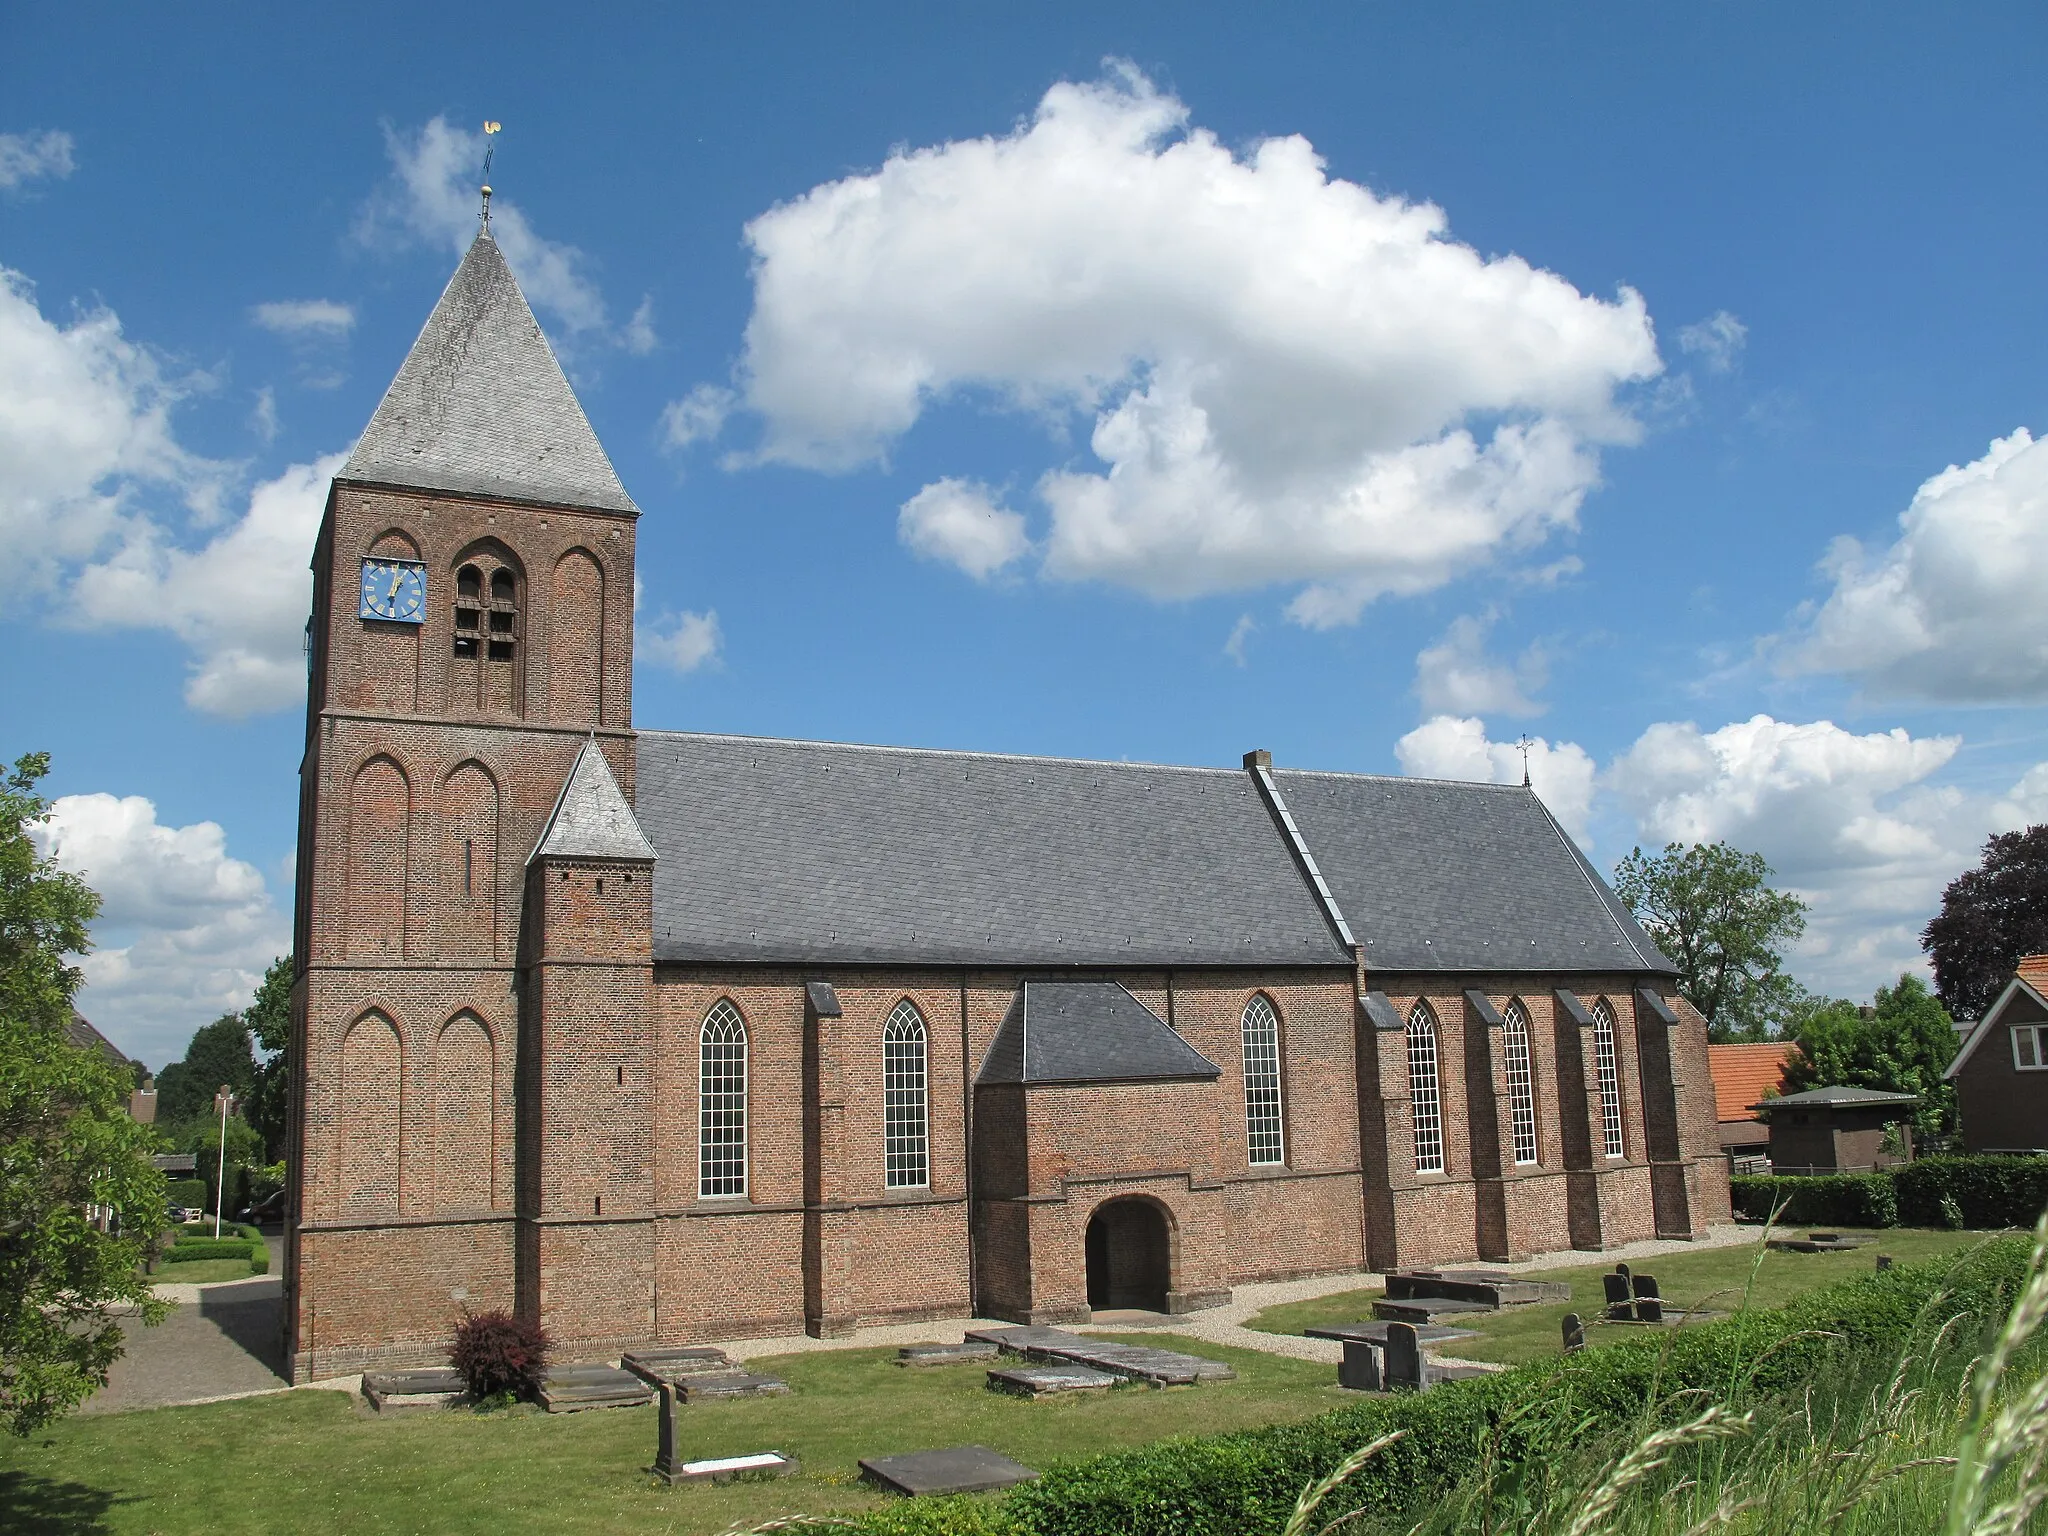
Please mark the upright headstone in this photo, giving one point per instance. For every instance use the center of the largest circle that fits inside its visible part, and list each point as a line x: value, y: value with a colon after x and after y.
x: 666, y: 1467
x: 1360, y: 1369
x: 1649, y: 1300
x: 1574, y: 1333
x: 1884, y: 1262
x: 1405, y: 1365
x: 1620, y: 1305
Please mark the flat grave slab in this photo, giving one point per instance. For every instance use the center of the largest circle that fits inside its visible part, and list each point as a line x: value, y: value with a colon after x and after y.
x: 965, y: 1352
x: 658, y: 1365
x: 1426, y: 1309
x: 724, y: 1469
x: 1494, y: 1287
x: 1819, y: 1242
x: 1047, y: 1380
x: 960, y: 1469
x: 729, y: 1384
x: 387, y: 1390
x: 1157, y: 1367
x: 1376, y: 1333
x: 574, y: 1388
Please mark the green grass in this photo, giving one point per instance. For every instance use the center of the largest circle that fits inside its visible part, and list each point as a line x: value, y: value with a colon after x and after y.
x: 1711, y: 1277
x: 204, y: 1271
x: 320, y: 1461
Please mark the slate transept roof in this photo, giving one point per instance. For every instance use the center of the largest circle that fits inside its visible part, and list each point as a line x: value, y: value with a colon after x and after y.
x: 1087, y: 1032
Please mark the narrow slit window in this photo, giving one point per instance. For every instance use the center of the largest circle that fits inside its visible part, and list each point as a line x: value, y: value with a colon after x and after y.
x: 1521, y: 1084
x: 906, y: 1123
x: 469, y: 866
x: 1610, y: 1078
x: 722, y: 1104
x: 1425, y: 1104
x: 1264, y: 1132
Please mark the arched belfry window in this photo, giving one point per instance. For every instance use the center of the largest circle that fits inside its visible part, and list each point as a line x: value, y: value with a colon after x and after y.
x: 1265, y: 1137
x: 722, y: 1103
x: 1521, y: 1083
x: 906, y: 1112
x: 1610, y: 1078
x: 1425, y: 1101
x: 489, y: 630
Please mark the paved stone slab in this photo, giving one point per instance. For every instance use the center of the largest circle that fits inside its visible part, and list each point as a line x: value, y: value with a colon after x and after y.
x: 574, y: 1388
x: 1376, y: 1333
x: 963, y: 1353
x: 729, y: 1384
x: 960, y: 1469
x: 1420, y: 1309
x: 413, y: 1389
x: 655, y: 1366
x: 1045, y: 1380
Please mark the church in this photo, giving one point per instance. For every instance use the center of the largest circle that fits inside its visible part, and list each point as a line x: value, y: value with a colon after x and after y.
x: 665, y: 1037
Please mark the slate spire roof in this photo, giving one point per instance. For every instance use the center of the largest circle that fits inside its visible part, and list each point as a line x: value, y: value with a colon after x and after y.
x: 481, y: 406
x: 591, y: 819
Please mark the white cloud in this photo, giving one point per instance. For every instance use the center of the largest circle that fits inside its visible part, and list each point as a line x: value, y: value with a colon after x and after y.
x: 696, y: 418
x: 1457, y: 677
x: 1848, y: 821
x: 1716, y: 341
x: 682, y: 643
x: 263, y: 415
x: 240, y: 603
x: 304, y: 317
x: 27, y: 156
x: 1952, y: 611
x: 961, y: 523
x: 1240, y: 635
x: 185, y: 930
x: 1293, y: 379
x: 1448, y: 747
x: 638, y: 337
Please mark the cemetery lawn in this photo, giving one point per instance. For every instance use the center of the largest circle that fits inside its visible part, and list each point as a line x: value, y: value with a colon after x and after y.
x: 315, y: 1460
x: 1712, y: 1277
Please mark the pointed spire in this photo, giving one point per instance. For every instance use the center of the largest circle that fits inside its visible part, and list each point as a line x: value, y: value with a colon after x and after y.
x: 481, y: 406
x: 591, y: 819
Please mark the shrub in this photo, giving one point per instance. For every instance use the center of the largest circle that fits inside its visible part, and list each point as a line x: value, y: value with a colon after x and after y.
x: 1988, y: 1191
x: 188, y: 1250
x: 495, y: 1352
x: 1833, y: 1199
x: 259, y: 1259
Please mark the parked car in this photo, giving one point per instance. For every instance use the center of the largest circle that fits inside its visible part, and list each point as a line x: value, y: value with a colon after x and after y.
x: 269, y: 1208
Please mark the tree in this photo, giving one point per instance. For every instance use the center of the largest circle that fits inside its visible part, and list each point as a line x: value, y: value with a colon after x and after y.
x: 218, y: 1053
x: 269, y: 1018
x: 1709, y: 908
x: 67, y: 1146
x: 1990, y: 918
x: 1902, y: 1044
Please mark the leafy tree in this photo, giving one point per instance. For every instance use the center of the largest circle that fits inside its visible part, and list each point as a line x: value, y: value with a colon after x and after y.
x: 1709, y: 907
x: 1901, y: 1045
x: 1990, y: 917
x: 67, y: 1145
x: 269, y: 1018
x: 218, y: 1053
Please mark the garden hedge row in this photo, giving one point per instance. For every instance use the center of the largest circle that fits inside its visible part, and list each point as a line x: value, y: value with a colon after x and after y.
x: 1245, y: 1483
x: 189, y: 1250
x: 1985, y: 1192
x: 187, y: 1192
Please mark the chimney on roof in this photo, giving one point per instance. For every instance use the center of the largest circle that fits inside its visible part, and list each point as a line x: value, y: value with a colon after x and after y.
x: 1261, y: 758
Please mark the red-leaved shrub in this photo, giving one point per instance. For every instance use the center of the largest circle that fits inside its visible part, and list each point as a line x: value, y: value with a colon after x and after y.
x: 495, y: 1352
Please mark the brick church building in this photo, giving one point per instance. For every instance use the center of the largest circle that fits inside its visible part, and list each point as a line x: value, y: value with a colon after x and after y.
x: 668, y: 1037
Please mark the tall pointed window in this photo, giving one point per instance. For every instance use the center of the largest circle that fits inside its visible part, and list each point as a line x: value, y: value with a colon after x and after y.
x: 906, y: 1121
x: 1521, y: 1084
x: 1610, y: 1078
x: 1425, y: 1103
x: 1264, y: 1135
x: 722, y: 1103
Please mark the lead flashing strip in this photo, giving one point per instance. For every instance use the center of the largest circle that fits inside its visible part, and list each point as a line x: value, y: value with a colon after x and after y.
x: 1276, y: 803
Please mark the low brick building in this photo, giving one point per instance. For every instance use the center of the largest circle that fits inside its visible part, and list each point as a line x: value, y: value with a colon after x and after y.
x: 2001, y: 1068
x: 667, y: 1037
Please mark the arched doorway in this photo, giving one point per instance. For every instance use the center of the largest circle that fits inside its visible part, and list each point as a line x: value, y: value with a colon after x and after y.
x: 1129, y: 1257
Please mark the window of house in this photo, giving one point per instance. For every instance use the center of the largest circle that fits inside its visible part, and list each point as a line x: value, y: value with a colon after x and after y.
x: 722, y: 1103
x: 2030, y: 1047
x: 1426, y: 1106
x: 906, y: 1124
x: 1264, y: 1134
x: 1610, y: 1078
x: 1521, y: 1084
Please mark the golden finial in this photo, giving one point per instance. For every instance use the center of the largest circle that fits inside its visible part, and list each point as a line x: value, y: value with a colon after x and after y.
x: 490, y: 148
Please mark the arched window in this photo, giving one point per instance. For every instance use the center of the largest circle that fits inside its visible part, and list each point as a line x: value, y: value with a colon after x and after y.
x: 722, y: 1103
x: 1521, y: 1084
x: 906, y: 1131
x: 1425, y: 1102
x: 1610, y: 1077
x: 1264, y: 1136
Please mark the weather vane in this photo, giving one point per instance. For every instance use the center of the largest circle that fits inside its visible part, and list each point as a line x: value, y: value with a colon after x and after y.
x: 490, y: 148
x: 1525, y: 744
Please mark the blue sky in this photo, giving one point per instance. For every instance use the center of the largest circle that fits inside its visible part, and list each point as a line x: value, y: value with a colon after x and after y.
x: 1371, y: 385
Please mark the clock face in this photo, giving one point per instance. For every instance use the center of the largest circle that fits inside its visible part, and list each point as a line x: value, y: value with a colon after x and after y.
x: 394, y: 590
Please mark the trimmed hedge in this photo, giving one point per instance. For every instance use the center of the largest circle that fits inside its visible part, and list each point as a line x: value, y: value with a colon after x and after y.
x: 1985, y: 1192
x: 189, y: 1250
x: 186, y: 1192
x: 1245, y: 1484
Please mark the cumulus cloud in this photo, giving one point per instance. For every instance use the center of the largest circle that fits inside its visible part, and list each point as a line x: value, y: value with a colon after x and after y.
x: 1292, y: 378
x: 1716, y: 341
x: 1952, y: 610
x: 962, y: 523
x: 295, y: 318
x: 696, y: 418
x: 1240, y: 636
x: 30, y: 156
x: 1456, y: 676
x: 682, y: 642
x: 185, y: 930
x: 1450, y: 747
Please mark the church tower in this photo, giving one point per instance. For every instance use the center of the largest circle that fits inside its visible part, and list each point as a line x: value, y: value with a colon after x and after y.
x: 470, y: 645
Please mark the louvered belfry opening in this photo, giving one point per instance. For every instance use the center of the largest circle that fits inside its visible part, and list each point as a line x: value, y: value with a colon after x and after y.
x: 486, y: 671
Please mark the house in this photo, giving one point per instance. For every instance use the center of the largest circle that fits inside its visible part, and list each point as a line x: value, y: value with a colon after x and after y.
x: 142, y: 1099
x: 660, y: 1037
x: 1838, y: 1130
x: 1742, y: 1075
x: 2001, y: 1071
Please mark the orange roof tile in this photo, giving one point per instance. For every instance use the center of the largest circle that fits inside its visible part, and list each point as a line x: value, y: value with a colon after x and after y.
x: 1743, y: 1074
x: 2033, y: 970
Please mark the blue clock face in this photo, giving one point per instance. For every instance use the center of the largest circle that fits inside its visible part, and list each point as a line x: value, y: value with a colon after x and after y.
x: 395, y: 590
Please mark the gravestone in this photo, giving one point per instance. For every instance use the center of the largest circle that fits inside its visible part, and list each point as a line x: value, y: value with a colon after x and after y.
x: 1884, y: 1262
x: 1649, y: 1300
x: 655, y: 1366
x: 574, y: 1388
x: 726, y: 1384
x: 1574, y: 1333
x: 1405, y: 1366
x: 960, y: 1469
x: 1045, y: 1380
x: 1360, y: 1369
x: 389, y: 1390
x: 963, y: 1353
x: 1620, y: 1304
x: 666, y: 1467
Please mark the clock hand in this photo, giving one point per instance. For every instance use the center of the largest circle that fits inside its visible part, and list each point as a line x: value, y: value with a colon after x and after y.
x: 397, y: 577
